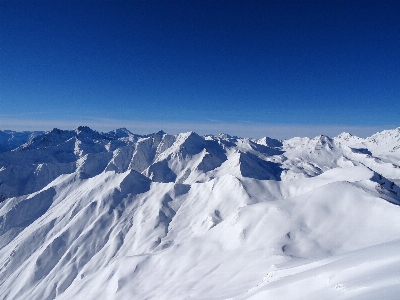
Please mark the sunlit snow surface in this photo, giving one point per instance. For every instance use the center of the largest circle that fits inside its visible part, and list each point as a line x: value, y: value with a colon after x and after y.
x: 89, y: 215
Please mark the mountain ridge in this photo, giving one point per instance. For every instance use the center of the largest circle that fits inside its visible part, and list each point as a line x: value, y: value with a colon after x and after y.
x: 85, y: 214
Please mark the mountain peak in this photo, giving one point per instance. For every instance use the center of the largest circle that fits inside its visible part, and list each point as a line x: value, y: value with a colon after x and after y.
x: 57, y: 131
x: 84, y: 129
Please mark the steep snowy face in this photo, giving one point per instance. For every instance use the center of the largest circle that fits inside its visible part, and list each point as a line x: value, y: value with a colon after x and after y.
x: 57, y: 137
x: 123, y: 134
x: 10, y: 140
x: 385, y: 143
x: 44, y: 157
x: 91, y: 215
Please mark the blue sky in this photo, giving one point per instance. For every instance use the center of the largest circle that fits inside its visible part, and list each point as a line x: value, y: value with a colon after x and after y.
x: 252, y: 68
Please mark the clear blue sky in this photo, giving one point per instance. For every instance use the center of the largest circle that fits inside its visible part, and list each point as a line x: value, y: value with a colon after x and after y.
x: 244, y: 67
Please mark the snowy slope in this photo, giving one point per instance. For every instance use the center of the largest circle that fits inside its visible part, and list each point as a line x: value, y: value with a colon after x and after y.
x: 90, y: 215
x: 10, y: 140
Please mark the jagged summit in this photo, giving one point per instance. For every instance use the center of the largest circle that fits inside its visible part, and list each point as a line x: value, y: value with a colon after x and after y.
x: 84, y: 129
x: 57, y: 136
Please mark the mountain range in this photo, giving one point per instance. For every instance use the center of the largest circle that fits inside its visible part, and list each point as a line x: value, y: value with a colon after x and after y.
x: 92, y: 215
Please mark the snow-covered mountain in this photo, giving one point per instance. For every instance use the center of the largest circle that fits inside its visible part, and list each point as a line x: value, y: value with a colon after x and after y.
x: 91, y: 215
x: 10, y: 140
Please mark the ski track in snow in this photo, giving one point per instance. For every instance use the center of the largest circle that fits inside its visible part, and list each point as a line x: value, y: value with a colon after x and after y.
x: 91, y: 215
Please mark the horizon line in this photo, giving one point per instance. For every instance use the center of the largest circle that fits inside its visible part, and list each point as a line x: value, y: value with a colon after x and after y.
x: 249, y: 130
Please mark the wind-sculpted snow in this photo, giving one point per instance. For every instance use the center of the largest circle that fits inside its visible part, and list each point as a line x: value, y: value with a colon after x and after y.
x: 91, y: 215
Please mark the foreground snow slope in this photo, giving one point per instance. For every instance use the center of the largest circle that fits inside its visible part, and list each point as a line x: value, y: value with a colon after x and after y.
x: 90, y: 215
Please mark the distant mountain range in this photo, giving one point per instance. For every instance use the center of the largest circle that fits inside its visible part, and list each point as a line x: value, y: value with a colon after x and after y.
x: 117, y: 215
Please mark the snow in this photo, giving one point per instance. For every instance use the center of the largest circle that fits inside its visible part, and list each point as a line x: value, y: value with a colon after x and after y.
x: 10, y: 140
x: 91, y: 215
